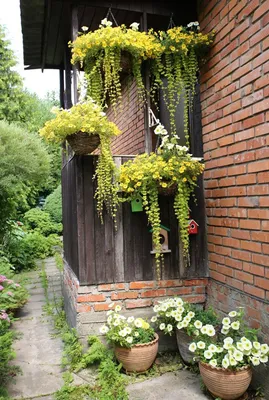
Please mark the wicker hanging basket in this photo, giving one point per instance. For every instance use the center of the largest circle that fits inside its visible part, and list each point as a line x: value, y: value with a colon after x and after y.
x: 226, y: 384
x: 82, y: 143
x: 138, y: 358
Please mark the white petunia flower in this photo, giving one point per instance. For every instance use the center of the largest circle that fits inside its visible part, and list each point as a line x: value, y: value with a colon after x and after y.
x: 210, y: 330
x: 228, y: 340
x: 212, y: 348
x: 225, y: 330
x: 192, y: 347
x: 191, y: 314
x: 158, y: 129
x: 225, y: 363
x: 129, y: 339
x: 196, y: 332
x: 104, y: 329
x: 233, y: 361
x: 238, y: 355
x: 213, y: 363
x: 138, y: 323
x: 226, y: 321
x: 169, y: 328
x: 178, y: 317
x: 156, y: 308
x: 201, y: 345
x: 256, y: 345
x: 198, y: 324
x: 118, y: 308
x: 204, y: 330
x: 264, y: 348
x: 136, y: 334
x: 179, y: 325
x: 208, y: 354
x: 154, y: 319
x: 232, y: 314
x: 235, y: 325
x: 84, y: 28
x: 247, y: 345
x: 130, y: 320
x: 109, y: 312
x: 185, y: 323
x: 105, y: 22
x: 255, y: 361
x: 162, y: 326
x: 128, y: 330
x: 135, y: 26
x: 240, y: 346
x: 264, y: 358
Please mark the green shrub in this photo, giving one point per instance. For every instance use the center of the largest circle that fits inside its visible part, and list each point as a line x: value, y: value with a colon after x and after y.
x: 5, y: 267
x: 7, y: 371
x: 12, y: 295
x: 38, y: 220
x: 53, y: 204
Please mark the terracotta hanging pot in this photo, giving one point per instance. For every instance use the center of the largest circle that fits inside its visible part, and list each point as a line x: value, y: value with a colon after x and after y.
x: 183, y: 342
x: 138, y: 358
x: 226, y: 384
x: 82, y: 143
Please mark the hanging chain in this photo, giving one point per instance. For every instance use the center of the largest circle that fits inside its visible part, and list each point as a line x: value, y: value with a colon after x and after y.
x: 171, y: 22
x: 110, y: 14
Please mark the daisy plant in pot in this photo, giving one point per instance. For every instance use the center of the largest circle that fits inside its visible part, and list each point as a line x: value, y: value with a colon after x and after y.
x: 134, y: 340
x: 186, y: 320
x: 86, y: 127
x: 107, y: 51
x: 227, y: 357
x: 171, y: 171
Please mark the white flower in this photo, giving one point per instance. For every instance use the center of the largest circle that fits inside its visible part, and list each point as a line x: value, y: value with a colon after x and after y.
x: 238, y: 355
x: 169, y: 328
x: 179, y: 301
x: 210, y: 330
x: 158, y: 129
x: 233, y: 361
x: 130, y: 320
x: 129, y: 339
x: 196, y: 332
x: 201, y: 345
x: 178, y: 317
x: 228, y: 340
x: 225, y: 363
x: 240, y: 346
x: 190, y: 24
x: 116, y: 322
x: 123, y: 333
x: 208, y: 354
x: 168, y: 314
x: 232, y: 314
x: 204, y: 330
x: 136, y: 334
x: 228, y: 343
x: 213, y: 363
x: 212, y: 348
x: 198, y: 324
x: 192, y: 347
x: 196, y: 23
x: 162, y: 326
x: 255, y: 361
x: 105, y: 22
x: 104, y: 329
x: 191, y: 314
x: 138, y: 323
x: 185, y: 323
x: 179, y: 325
x: 256, y: 345
x: 170, y: 146
x: 118, y: 308
x: 219, y: 349
x: 264, y: 358
x: 84, y: 28
x: 154, y: 319
x: 226, y: 321
x: 264, y: 348
x: 225, y: 330
x: 156, y: 308
x: 235, y: 325
x: 247, y: 345
x: 128, y: 330
x: 135, y: 26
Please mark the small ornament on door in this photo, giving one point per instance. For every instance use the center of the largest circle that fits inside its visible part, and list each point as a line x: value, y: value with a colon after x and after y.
x: 193, y: 227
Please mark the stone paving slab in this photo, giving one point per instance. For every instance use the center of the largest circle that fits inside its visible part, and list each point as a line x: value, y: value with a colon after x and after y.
x: 180, y: 385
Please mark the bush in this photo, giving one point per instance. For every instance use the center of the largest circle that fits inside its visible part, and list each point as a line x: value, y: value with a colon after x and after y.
x: 38, y: 220
x: 7, y: 371
x: 12, y: 296
x: 5, y: 267
x: 53, y: 204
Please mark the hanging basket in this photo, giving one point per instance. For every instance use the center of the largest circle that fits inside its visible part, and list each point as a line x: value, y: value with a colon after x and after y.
x: 82, y: 143
x: 125, y: 62
x: 169, y: 190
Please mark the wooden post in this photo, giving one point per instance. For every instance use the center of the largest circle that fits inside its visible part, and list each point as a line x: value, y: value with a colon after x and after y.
x: 148, y: 138
x: 61, y: 78
x: 74, y: 34
x: 68, y: 97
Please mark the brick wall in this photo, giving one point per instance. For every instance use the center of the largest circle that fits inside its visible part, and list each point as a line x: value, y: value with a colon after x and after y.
x: 87, y: 306
x: 129, y: 117
x: 235, y: 116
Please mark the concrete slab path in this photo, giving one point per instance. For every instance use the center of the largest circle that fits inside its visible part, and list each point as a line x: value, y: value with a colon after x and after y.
x: 38, y: 352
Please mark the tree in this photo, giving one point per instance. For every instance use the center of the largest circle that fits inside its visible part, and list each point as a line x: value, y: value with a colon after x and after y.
x: 24, y: 169
x: 11, y: 83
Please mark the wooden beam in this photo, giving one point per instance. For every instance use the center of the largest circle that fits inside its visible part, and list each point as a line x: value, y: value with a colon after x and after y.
x: 45, y: 34
x: 68, y: 85
x: 61, y: 79
x: 74, y: 34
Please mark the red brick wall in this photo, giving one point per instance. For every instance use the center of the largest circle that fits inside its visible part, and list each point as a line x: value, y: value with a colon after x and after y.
x: 235, y: 119
x: 130, y: 120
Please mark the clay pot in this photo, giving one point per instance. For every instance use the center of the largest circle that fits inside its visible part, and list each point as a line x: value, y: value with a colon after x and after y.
x: 226, y: 384
x: 183, y: 342
x: 138, y: 358
x: 83, y: 143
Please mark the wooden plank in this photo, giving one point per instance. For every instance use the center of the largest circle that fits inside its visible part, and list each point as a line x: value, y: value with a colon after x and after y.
x: 61, y: 80
x: 74, y: 34
x: 89, y: 219
x: 68, y: 97
x: 119, y: 247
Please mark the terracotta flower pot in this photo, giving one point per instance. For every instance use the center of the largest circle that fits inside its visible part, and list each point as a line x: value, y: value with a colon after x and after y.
x: 138, y: 358
x: 83, y: 143
x: 226, y: 384
x: 183, y: 342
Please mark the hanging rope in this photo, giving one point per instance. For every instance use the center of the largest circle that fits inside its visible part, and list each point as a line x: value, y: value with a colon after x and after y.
x: 110, y: 14
x: 171, y: 22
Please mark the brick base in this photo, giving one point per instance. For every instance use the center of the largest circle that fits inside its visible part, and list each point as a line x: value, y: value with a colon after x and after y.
x: 86, y: 306
x: 224, y: 299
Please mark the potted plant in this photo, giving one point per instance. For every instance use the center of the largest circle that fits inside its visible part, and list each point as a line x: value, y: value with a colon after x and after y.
x: 226, y: 356
x: 103, y: 54
x: 185, y: 319
x: 134, y: 340
x: 85, y: 127
x: 176, y: 70
x: 149, y: 174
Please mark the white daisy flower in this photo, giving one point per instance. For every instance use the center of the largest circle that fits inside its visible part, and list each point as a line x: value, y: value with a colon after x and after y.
x: 192, y: 347
x: 232, y: 314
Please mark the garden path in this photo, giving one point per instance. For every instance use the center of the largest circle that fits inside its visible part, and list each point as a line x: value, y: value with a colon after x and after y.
x: 39, y: 353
